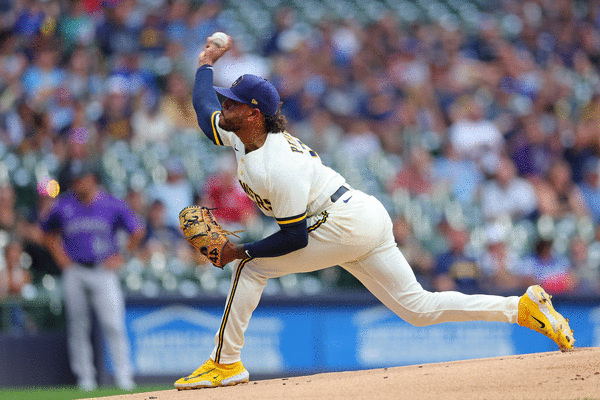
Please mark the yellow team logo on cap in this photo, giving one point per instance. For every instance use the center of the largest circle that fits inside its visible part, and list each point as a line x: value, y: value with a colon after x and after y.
x: 254, y: 102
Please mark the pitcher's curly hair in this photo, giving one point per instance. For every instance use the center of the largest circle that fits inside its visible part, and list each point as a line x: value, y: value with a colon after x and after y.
x: 277, y: 122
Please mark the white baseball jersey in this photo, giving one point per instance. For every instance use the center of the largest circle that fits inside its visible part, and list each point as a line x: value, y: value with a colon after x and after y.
x: 287, y: 180
x: 284, y: 177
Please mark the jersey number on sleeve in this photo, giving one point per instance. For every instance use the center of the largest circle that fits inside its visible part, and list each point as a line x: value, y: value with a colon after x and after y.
x: 213, y: 255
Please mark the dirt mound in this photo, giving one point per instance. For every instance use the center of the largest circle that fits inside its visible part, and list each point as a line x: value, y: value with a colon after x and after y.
x: 555, y: 375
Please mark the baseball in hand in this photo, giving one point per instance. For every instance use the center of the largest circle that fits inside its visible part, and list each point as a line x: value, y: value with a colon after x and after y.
x: 219, y: 38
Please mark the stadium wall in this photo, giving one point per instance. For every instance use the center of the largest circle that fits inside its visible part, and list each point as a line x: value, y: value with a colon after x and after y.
x: 286, y: 337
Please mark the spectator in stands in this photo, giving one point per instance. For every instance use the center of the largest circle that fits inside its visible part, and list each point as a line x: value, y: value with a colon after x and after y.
x: 461, y: 176
x: 378, y: 103
x: 76, y: 27
x: 13, y: 276
x: 471, y: 134
x: 301, y: 88
x: 558, y: 196
x: 131, y: 73
x: 584, y: 143
x: 23, y: 122
x: 532, y: 151
x: 160, y: 236
x: 506, y: 194
x: 176, y: 28
x: 44, y: 76
x: 419, y: 122
x: 360, y: 143
x: 12, y: 129
x: 82, y: 76
x: 455, y: 269
x: 501, y: 266
x: 115, y: 121
x: 281, y: 32
x: 345, y: 40
x: 175, y: 193
x: 8, y: 212
x: 403, y: 130
x: 38, y: 134
x: 119, y: 28
x: 222, y: 191
x: 550, y: 270
x: 420, y: 259
x: 29, y: 231
x: 340, y: 97
x: 590, y: 187
x: 138, y: 201
x: 149, y: 122
x: 30, y: 18
x: 417, y: 175
x: 177, y: 103
x: 166, y: 239
x: 61, y: 111
x: 322, y: 134
x: 585, y: 266
x: 12, y: 65
x: 153, y: 38
x: 203, y: 22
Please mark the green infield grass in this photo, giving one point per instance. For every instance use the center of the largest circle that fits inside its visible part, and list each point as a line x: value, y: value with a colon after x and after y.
x: 70, y: 392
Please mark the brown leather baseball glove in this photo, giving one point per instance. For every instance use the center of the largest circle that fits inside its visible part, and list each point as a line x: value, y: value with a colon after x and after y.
x: 203, y: 232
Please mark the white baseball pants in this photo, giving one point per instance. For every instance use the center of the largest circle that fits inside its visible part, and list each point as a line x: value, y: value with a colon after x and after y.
x: 99, y: 288
x: 355, y: 233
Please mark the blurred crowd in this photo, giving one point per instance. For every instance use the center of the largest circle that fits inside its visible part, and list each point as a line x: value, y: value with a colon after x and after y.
x: 476, y: 123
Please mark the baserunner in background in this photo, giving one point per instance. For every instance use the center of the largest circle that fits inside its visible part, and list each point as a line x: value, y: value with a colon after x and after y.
x: 81, y: 234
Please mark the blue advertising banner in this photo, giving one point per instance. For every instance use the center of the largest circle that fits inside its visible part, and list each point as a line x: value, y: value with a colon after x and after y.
x: 174, y: 339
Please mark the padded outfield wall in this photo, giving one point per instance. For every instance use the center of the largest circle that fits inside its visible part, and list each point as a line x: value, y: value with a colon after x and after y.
x: 337, y: 332
x: 171, y: 337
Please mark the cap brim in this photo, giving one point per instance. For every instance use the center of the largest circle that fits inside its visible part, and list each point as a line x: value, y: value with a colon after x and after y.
x: 226, y: 92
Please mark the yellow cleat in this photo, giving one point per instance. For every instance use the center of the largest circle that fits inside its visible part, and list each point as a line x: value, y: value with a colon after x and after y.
x: 211, y: 374
x: 536, y: 312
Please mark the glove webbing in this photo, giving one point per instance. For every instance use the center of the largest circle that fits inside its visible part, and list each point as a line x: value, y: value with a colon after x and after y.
x: 212, y: 221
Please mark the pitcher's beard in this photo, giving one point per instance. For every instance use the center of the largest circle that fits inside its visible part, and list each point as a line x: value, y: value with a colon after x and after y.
x: 229, y: 125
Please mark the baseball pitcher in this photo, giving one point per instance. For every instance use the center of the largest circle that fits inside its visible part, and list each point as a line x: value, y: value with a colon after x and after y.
x: 323, y: 222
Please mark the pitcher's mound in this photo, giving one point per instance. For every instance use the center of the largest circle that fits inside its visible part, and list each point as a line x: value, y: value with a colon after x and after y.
x: 555, y: 375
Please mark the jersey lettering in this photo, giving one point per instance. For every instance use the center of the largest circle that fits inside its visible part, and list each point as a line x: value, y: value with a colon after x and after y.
x: 263, y: 204
x: 294, y: 146
x: 297, y: 146
x: 259, y: 202
x: 310, y: 151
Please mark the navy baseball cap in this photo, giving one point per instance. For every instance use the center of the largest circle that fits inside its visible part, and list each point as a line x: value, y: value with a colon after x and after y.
x: 254, y: 91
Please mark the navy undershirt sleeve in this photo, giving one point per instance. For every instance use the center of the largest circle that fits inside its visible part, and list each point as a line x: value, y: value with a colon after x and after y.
x: 289, y: 238
x: 205, y: 100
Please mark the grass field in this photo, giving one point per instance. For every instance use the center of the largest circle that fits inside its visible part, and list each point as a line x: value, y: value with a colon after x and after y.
x: 69, y: 393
